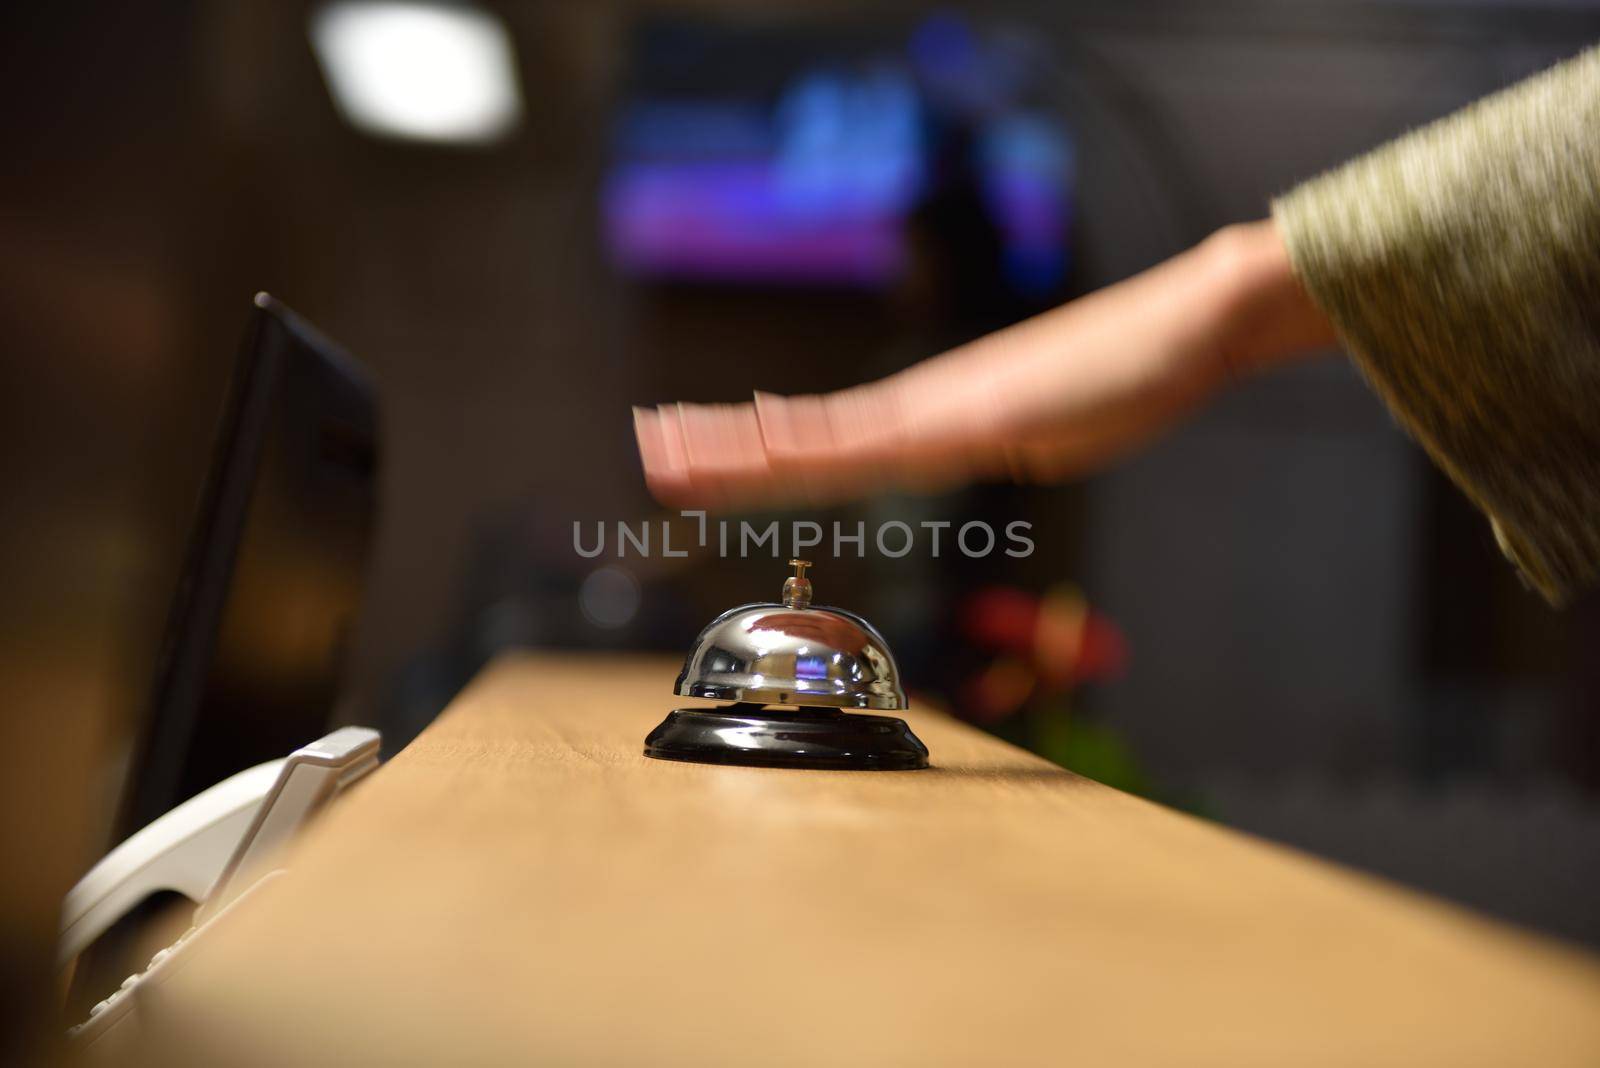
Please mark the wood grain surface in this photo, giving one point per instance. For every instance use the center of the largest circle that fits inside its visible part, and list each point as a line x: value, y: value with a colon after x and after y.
x: 521, y: 885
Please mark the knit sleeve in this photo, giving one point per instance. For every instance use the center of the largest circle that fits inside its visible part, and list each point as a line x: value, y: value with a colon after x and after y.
x: 1460, y: 265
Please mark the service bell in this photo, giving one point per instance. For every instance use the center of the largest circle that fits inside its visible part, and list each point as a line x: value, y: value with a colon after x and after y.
x: 815, y: 661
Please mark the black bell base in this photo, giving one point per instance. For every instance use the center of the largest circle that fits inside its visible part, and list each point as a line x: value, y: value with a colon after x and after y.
x: 753, y: 736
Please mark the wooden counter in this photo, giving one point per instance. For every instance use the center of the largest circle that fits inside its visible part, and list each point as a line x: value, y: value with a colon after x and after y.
x: 520, y: 885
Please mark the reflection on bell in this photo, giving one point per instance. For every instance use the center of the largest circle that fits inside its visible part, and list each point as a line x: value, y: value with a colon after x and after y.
x: 820, y: 660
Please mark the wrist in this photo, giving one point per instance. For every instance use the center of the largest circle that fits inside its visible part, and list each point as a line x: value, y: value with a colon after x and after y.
x: 1264, y: 317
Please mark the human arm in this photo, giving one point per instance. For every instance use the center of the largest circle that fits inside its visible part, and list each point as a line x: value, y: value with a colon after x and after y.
x: 1051, y: 397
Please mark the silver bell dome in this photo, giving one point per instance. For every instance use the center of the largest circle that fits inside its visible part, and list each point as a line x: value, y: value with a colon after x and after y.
x: 792, y: 653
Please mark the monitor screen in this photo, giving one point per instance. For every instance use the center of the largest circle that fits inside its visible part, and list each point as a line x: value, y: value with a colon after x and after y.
x: 268, y: 598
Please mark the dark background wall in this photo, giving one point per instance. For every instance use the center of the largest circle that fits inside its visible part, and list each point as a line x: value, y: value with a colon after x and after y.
x: 1325, y: 648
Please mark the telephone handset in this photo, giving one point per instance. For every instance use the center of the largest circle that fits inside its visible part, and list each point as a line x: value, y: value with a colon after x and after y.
x: 213, y: 849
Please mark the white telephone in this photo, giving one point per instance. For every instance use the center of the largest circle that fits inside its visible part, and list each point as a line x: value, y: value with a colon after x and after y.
x: 214, y: 849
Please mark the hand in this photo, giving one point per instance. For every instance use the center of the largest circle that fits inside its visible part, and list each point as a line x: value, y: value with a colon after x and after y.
x: 1054, y: 396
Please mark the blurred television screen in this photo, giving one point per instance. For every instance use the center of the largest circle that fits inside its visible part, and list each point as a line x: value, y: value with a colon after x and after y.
x: 774, y: 156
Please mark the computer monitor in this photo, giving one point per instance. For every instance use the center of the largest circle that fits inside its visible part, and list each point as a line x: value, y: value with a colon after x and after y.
x: 266, y: 606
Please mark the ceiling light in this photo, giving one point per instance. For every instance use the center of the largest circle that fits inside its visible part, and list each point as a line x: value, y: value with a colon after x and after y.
x: 427, y: 72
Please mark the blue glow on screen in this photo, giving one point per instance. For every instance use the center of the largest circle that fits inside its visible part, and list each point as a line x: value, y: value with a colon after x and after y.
x: 818, y: 186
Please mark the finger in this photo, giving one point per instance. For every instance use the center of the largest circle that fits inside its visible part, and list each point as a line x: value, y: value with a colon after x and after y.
x: 825, y: 447
x: 841, y: 445
x: 726, y: 460
x: 799, y: 444
x: 664, y: 472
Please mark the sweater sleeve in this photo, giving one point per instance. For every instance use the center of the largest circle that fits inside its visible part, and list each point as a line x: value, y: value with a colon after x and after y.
x: 1460, y: 265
